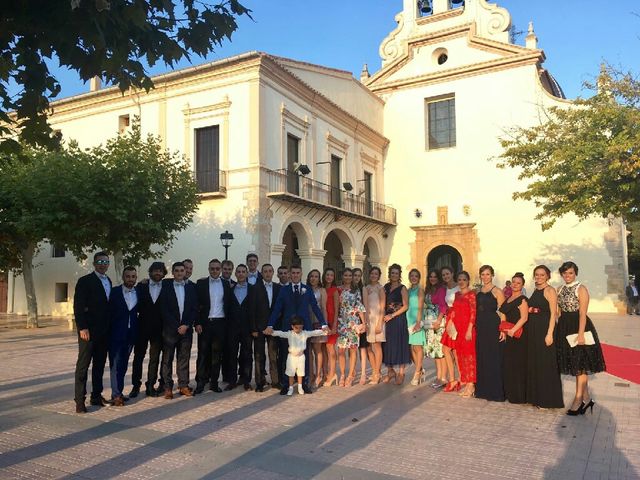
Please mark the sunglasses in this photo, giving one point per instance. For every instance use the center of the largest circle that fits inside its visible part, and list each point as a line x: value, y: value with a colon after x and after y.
x: 102, y: 262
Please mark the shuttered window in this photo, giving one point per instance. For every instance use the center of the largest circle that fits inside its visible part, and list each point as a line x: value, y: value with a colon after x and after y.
x: 208, y: 159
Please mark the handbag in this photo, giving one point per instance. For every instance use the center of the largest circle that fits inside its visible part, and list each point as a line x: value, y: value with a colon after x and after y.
x: 588, y: 339
x: 451, y: 330
x: 504, y: 326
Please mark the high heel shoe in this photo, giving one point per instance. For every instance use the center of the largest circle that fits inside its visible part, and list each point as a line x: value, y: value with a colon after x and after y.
x: 375, y: 379
x: 341, y: 381
x: 318, y: 382
x: 389, y: 376
x: 349, y: 381
x: 585, y: 407
x: 400, y: 379
x: 453, y: 386
x: 330, y: 381
x: 577, y: 411
x: 363, y: 379
x: 417, y: 378
x: 468, y: 392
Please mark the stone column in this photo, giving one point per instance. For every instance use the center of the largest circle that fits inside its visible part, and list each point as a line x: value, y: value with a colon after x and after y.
x: 277, y: 249
x: 354, y: 261
x: 311, y: 258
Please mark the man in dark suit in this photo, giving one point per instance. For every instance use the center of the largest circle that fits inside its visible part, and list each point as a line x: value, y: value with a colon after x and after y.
x: 266, y: 294
x: 123, y: 320
x: 210, y: 327
x: 91, y: 311
x: 227, y: 271
x: 179, y: 310
x: 253, y: 275
x: 239, y: 311
x: 295, y: 299
x: 149, y: 332
x: 188, y: 270
x: 633, y: 298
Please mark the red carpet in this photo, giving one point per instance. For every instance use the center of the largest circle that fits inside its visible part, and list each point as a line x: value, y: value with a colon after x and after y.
x: 622, y: 362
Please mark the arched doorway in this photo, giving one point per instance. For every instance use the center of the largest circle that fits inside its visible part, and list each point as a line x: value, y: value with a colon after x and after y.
x: 444, y: 256
x: 290, y: 254
x: 333, y: 257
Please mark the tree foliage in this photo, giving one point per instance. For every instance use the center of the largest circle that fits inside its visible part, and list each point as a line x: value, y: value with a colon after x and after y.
x: 112, y: 39
x: 585, y: 159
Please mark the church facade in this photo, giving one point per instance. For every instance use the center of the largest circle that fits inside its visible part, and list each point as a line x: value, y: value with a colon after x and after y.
x: 304, y: 163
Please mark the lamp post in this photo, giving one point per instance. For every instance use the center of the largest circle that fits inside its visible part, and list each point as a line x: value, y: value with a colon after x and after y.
x: 226, y: 239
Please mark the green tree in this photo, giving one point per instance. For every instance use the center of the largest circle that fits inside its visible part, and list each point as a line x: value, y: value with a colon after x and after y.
x: 38, y: 201
x: 137, y: 197
x: 112, y: 39
x: 583, y: 160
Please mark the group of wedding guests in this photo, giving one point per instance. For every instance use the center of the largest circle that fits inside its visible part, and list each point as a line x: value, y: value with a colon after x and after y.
x: 483, y: 344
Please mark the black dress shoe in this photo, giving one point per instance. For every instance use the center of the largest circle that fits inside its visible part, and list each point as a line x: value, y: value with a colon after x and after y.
x: 81, y: 408
x: 284, y: 391
x: 199, y: 389
x: 100, y: 401
x: 134, y: 391
x: 215, y: 388
x: 306, y: 389
x: 277, y: 386
x: 259, y: 388
x: 151, y: 392
x: 247, y: 387
x: 231, y: 386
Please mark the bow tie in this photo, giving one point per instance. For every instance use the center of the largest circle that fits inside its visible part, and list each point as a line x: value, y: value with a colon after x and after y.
x: 268, y: 284
x: 178, y: 284
x: 154, y: 284
x: 215, y: 280
x: 127, y: 290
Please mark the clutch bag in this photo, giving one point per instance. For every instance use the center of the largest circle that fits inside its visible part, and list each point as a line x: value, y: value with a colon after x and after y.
x: 451, y: 330
x: 504, y: 326
x: 573, y: 339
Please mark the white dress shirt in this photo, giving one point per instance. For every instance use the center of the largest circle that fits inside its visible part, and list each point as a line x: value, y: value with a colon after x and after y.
x: 252, y: 277
x: 130, y: 296
x: 154, y: 290
x: 105, y: 283
x: 179, y: 289
x: 298, y: 341
x: 216, y: 296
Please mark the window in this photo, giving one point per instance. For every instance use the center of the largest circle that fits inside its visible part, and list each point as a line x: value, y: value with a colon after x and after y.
x: 335, y: 181
x: 123, y: 123
x: 368, y: 190
x: 207, y: 164
x: 62, y: 292
x: 293, y: 160
x: 441, y: 123
x: 57, y: 251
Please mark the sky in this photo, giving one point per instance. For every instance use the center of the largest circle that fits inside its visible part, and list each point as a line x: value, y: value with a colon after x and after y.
x: 576, y: 35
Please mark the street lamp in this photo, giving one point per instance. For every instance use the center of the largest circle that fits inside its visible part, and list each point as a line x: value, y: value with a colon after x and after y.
x: 227, y: 239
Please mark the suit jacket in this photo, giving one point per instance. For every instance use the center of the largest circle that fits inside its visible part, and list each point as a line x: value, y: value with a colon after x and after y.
x: 149, y: 317
x: 287, y: 306
x: 258, y: 278
x: 123, y: 322
x: 240, y: 315
x: 91, y: 306
x: 204, y: 300
x: 263, y: 309
x: 170, y: 311
x: 629, y: 292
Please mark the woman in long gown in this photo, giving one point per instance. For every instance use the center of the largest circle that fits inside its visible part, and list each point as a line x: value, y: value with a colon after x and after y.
x: 318, y: 343
x: 582, y: 359
x: 515, y: 310
x: 373, y: 299
x: 395, y: 353
x: 435, y: 311
x: 460, y: 336
x: 333, y: 299
x: 450, y: 295
x: 489, y: 349
x: 415, y: 316
x: 544, y: 386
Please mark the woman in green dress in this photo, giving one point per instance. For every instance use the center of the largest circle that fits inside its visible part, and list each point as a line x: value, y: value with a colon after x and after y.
x: 415, y: 316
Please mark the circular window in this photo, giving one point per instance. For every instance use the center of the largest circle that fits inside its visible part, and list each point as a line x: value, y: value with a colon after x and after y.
x: 440, y: 56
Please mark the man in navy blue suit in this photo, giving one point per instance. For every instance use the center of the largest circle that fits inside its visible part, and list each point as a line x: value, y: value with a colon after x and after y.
x: 295, y: 299
x: 179, y: 309
x: 123, y: 320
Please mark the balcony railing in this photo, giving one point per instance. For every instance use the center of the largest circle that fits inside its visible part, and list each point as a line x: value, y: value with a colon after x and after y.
x: 212, y: 182
x: 291, y: 184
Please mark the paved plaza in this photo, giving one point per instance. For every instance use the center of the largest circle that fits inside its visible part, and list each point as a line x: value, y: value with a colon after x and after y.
x: 363, y: 432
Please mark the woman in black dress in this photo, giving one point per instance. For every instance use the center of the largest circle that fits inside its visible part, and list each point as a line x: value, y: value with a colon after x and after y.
x: 395, y: 352
x: 544, y: 387
x: 516, y: 311
x: 489, y: 349
x: 582, y: 359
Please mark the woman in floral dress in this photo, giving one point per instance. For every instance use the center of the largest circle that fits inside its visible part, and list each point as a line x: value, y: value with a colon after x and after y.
x: 351, y: 323
x: 435, y: 311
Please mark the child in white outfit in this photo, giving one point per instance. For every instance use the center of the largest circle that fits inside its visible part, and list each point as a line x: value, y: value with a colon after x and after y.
x: 297, y: 338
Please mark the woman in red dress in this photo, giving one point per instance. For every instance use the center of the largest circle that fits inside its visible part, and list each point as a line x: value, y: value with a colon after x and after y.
x: 333, y: 294
x: 460, y: 336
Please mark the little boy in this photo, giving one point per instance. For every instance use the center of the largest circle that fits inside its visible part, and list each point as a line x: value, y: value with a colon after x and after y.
x: 297, y: 338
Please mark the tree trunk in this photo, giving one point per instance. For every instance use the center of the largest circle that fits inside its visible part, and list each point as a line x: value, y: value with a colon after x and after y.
x: 29, y: 286
x: 118, y: 264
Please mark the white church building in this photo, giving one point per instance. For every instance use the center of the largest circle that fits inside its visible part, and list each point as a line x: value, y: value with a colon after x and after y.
x: 304, y: 163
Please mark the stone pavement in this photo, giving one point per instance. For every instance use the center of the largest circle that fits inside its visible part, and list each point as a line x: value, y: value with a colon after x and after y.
x: 364, y: 432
